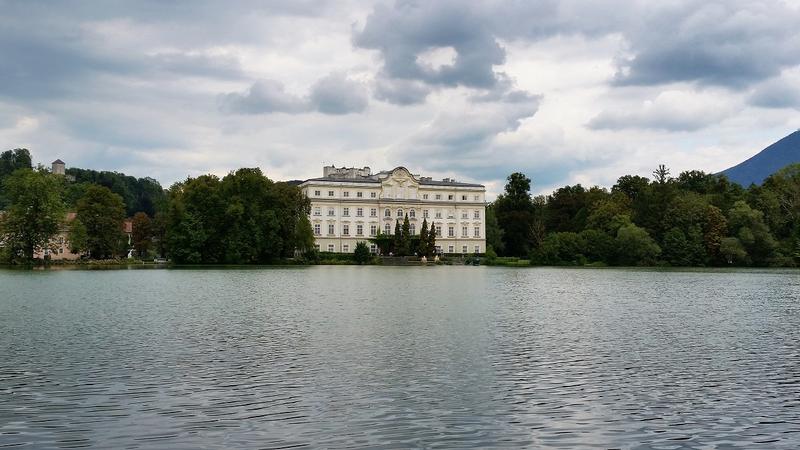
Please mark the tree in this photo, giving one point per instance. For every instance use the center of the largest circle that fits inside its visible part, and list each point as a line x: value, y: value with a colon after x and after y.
x: 10, y: 161
x: 102, y: 213
x: 361, y: 253
x: 632, y: 186
x: 405, y: 238
x: 747, y: 224
x: 432, y: 239
x: 422, y: 249
x: 398, y: 237
x: 635, y: 246
x: 34, y: 215
x: 732, y: 250
x: 494, y: 234
x: 142, y: 233
x: 515, y: 215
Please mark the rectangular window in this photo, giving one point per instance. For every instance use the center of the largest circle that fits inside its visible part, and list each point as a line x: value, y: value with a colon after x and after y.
x: 346, y: 194
x: 438, y: 231
x: 317, y: 211
x: 463, y: 249
x: 331, y: 212
x: 346, y: 212
x: 464, y: 215
x: 372, y: 195
x: 317, y: 231
x: 438, y: 214
x: 451, y: 231
x: 450, y: 196
x: 345, y: 248
x: 373, y: 248
x: 477, y: 198
x: 450, y: 249
x: 477, y: 214
x: 438, y: 196
x: 330, y: 247
x: 387, y: 229
x: 413, y: 228
x: 464, y: 198
x: 331, y: 229
x: 373, y: 212
x: 330, y: 193
x: 477, y: 231
x: 464, y: 232
x: 359, y: 230
x: 412, y: 214
x: 359, y: 194
x: 317, y: 193
x: 424, y: 213
x: 424, y: 196
x: 359, y: 212
x: 373, y: 230
x: 346, y: 230
x: 477, y: 249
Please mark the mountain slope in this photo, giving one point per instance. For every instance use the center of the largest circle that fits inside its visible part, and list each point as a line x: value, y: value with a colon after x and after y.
x: 768, y: 161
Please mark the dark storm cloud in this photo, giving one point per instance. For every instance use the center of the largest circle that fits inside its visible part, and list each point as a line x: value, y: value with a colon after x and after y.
x: 334, y: 94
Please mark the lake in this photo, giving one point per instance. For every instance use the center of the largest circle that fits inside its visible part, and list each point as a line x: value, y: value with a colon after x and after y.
x: 399, y: 357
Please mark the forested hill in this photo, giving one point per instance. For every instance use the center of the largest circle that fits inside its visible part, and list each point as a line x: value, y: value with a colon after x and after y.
x: 768, y: 161
x: 139, y: 194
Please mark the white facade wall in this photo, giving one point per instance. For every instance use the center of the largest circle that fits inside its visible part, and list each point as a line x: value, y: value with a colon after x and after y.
x: 455, y: 209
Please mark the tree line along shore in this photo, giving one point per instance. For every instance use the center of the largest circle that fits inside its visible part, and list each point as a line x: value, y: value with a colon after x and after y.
x: 692, y: 219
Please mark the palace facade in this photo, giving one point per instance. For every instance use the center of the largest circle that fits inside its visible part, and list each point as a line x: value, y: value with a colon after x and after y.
x: 349, y: 205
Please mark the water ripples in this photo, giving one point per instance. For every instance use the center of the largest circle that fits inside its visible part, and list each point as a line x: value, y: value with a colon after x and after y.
x: 444, y: 357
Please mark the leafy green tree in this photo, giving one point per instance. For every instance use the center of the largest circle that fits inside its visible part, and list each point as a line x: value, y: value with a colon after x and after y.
x: 631, y: 186
x: 494, y: 234
x: 78, y: 236
x: 598, y: 245
x: 142, y: 233
x: 422, y: 248
x: 733, y: 251
x: 715, y: 228
x: 564, y: 248
x: 138, y: 194
x: 684, y: 249
x: 35, y: 213
x: 361, y: 253
x: 102, y: 213
x: 747, y: 224
x: 635, y: 247
x: 10, y: 161
x: 515, y: 215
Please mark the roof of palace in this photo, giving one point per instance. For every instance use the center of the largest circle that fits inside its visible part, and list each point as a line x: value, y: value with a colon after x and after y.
x: 377, y: 177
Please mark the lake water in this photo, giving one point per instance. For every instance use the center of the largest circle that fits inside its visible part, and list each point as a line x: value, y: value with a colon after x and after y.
x: 399, y: 357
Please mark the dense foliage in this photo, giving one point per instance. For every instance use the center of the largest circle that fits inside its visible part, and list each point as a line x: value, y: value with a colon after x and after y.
x: 138, y: 194
x: 34, y: 214
x: 10, y: 161
x: 100, y: 214
x: 694, y: 219
x: 241, y: 218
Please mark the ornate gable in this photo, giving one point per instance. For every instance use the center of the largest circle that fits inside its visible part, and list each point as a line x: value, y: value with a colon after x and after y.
x: 399, y: 184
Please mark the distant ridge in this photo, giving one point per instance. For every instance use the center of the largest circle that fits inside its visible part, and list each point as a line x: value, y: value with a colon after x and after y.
x: 768, y: 161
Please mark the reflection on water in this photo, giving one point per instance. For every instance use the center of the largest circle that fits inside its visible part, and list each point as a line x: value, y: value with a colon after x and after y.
x: 399, y: 357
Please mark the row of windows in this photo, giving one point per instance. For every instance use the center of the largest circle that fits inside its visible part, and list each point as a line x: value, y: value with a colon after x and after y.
x: 400, y: 213
x: 359, y: 194
x: 387, y: 229
x: 374, y: 248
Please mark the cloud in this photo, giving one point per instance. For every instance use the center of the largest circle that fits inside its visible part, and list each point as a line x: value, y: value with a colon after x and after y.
x: 336, y: 94
x: 333, y: 94
x: 776, y: 93
x: 670, y: 111
x: 263, y: 97
x: 730, y: 44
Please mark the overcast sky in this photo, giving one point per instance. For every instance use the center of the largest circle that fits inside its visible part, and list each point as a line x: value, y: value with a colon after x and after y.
x: 564, y: 91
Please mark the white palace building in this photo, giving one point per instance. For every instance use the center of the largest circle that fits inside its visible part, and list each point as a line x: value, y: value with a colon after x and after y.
x: 349, y: 205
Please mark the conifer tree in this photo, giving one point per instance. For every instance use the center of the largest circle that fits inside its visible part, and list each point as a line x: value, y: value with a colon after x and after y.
x: 398, y: 237
x: 423, y: 239
x: 405, y: 238
x: 432, y: 239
